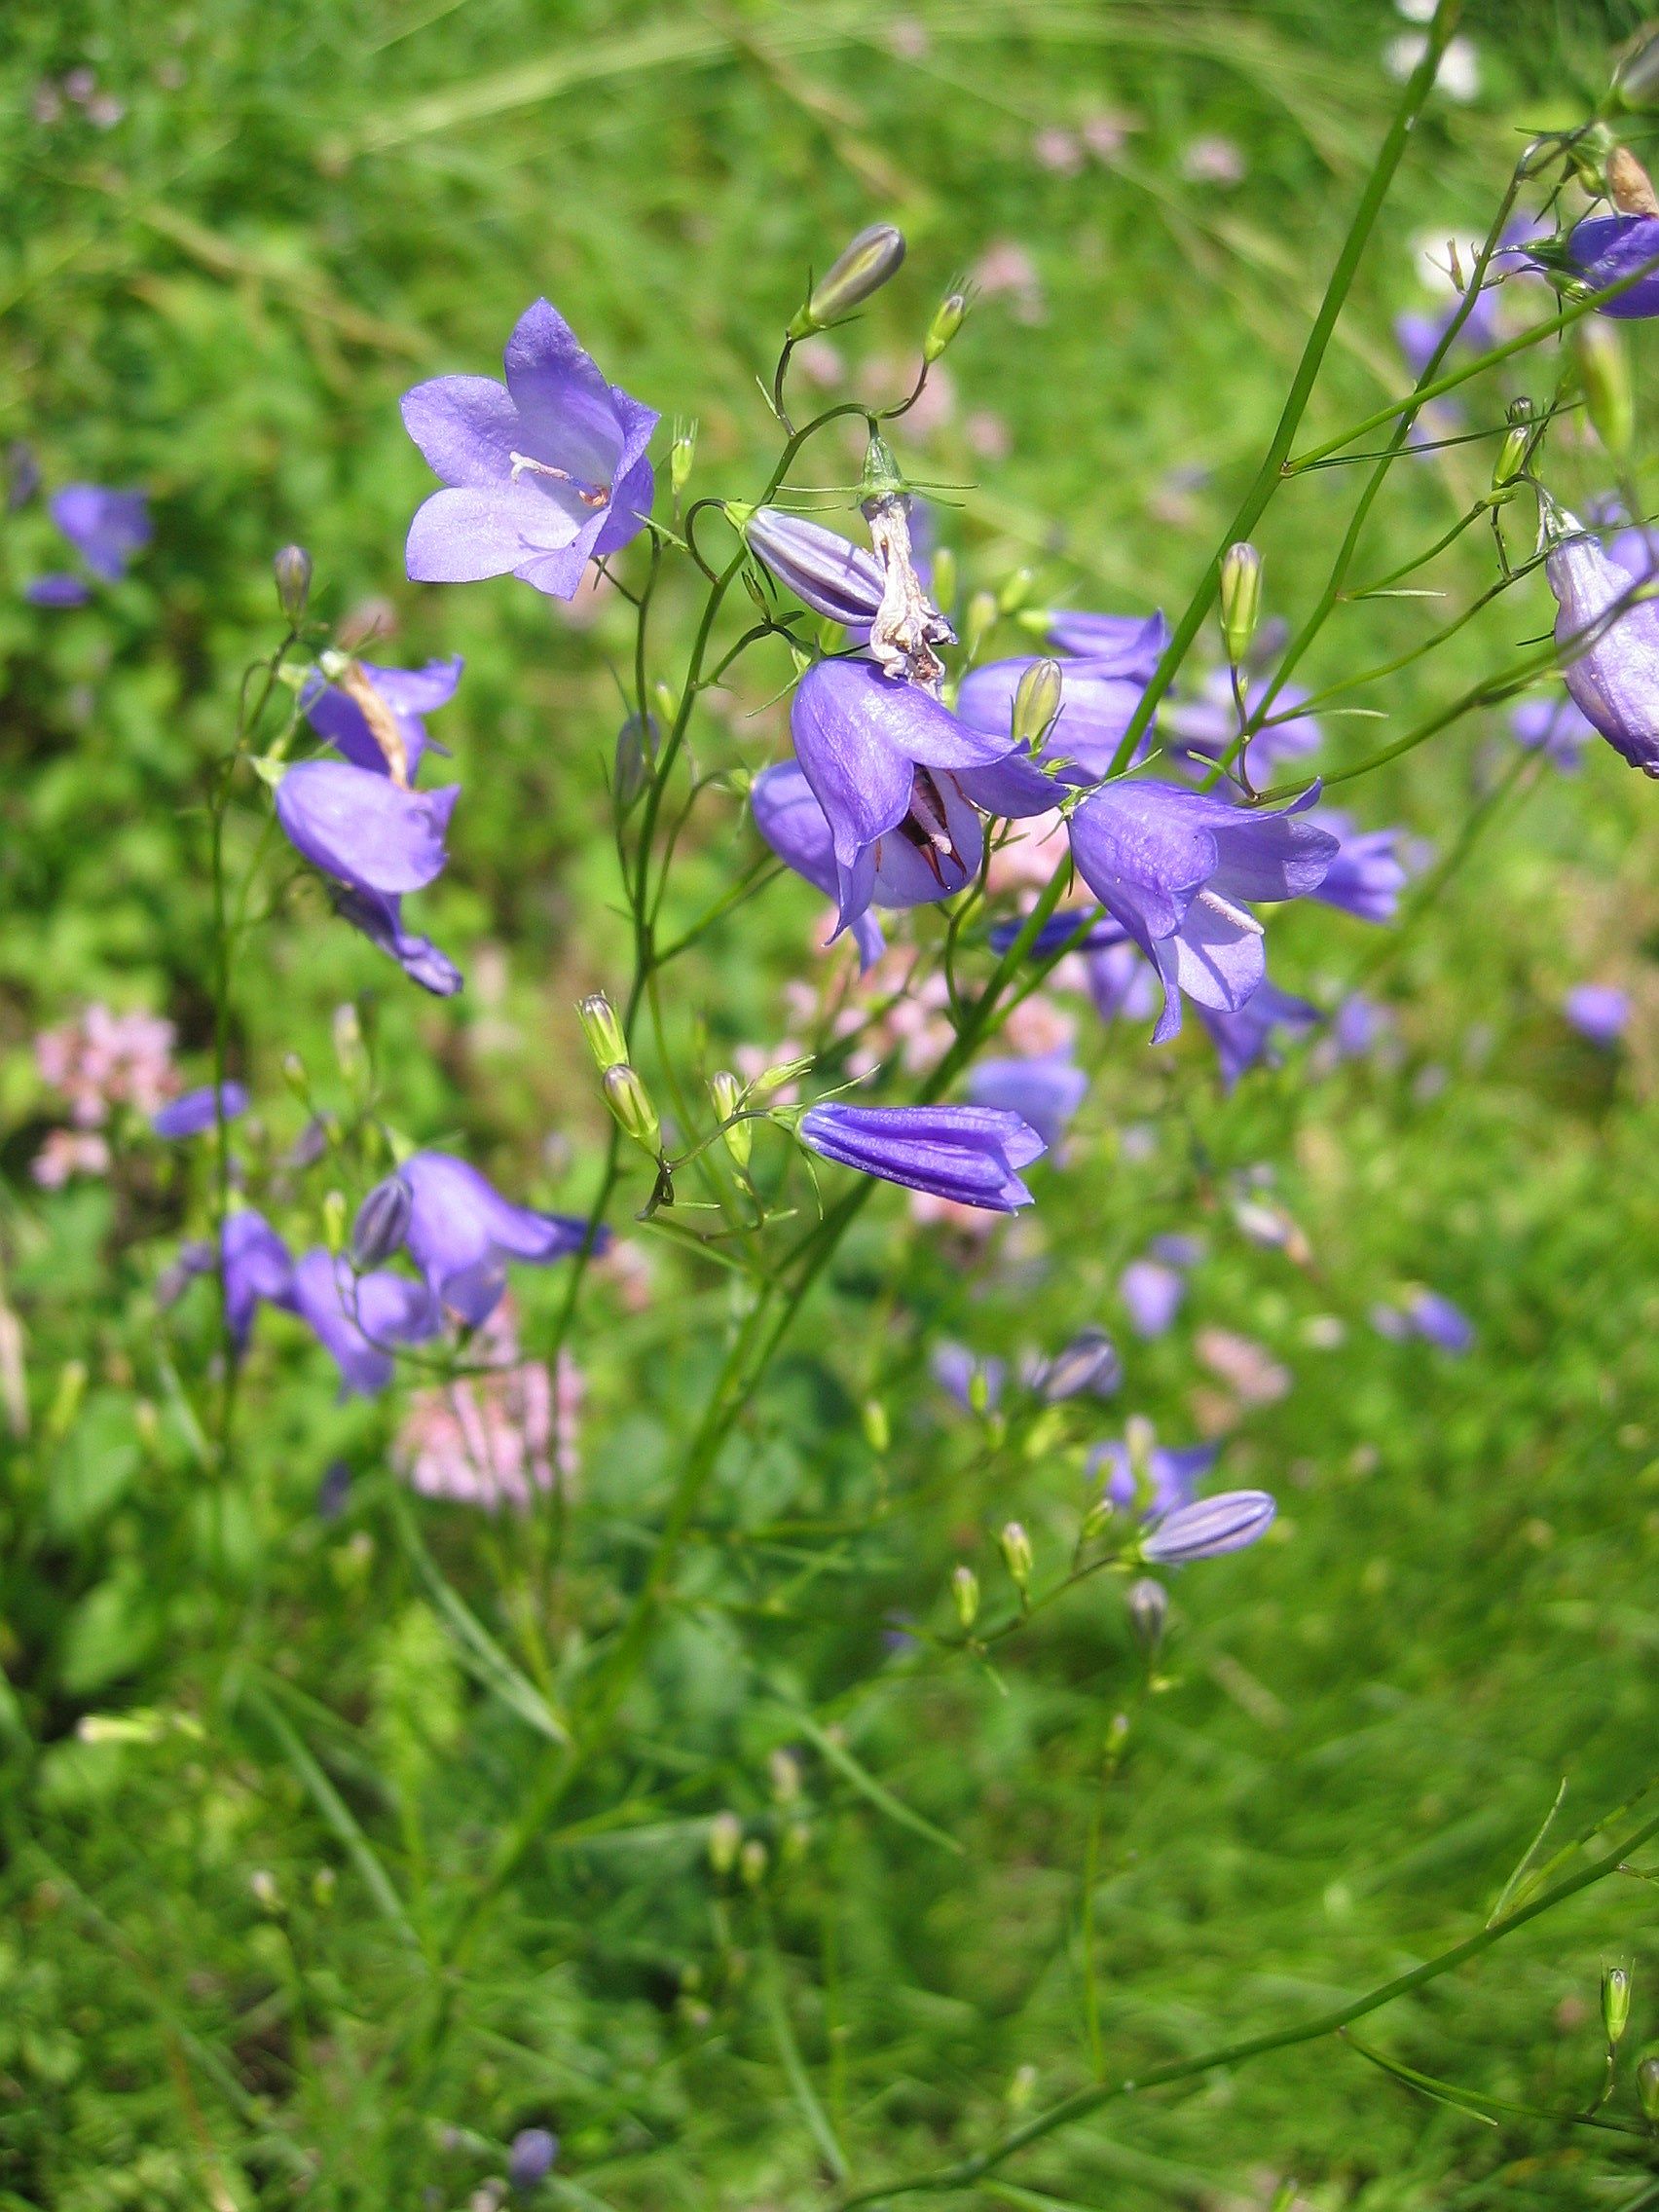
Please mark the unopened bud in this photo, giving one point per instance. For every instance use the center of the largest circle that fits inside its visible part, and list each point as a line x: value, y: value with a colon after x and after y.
x: 726, y: 1840
x: 877, y: 1429
x: 293, y: 570
x: 785, y: 1771
x: 681, y: 453
x: 603, y: 1031
x: 860, y: 269
x: 1636, y: 80
x: 1149, y: 1608
x: 1016, y: 1547
x: 1615, y: 2002
x: 382, y: 1223
x: 1648, y: 2089
x: 946, y: 321
x: 295, y: 1077
x: 334, y: 1221
x: 631, y: 1103
x: 636, y: 751
x: 979, y: 622
x: 1241, y: 600
x: 1629, y: 188
x: 1014, y: 591
x: 1603, y: 373
x: 65, y: 1400
x: 1036, y: 702
x: 348, y: 1033
x: 1517, y: 444
x: 965, y: 1595
x: 1089, y: 1362
x: 738, y: 1137
x: 752, y: 1863
x: 667, y: 701
x: 943, y: 581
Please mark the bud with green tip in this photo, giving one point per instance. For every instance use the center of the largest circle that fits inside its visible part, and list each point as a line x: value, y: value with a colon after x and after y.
x: 877, y: 1429
x: 1636, y: 80
x: 727, y: 1094
x: 293, y: 570
x: 1604, y: 374
x: 334, y: 1221
x: 1016, y: 591
x: 1517, y: 445
x: 682, y: 453
x: 947, y: 320
x: 964, y: 1595
x: 861, y: 268
x: 1016, y: 1548
x: 636, y: 753
x: 1648, y: 2089
x: 631, y: 1103
x: 1036, y: 702
x: 295, y: 1077
x: 1615, y: 2002
x: 603, y: 1031
x: 752, y: 1863
x: 979, y: 622
x: 726, y: 1841
x: 1241, y: 600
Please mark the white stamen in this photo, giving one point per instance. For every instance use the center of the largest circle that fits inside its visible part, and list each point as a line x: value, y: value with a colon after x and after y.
x: 590, y: 494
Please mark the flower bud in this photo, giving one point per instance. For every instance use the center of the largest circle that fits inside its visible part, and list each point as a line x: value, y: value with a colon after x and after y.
x: 1636, y: 80
x: 946, y: 321
x: 295, y: 1077
x: 981, y: 620
x: 877, y: 1429
x: 785, y: 1771
x: 1603, y: 373
x: 1211, y: 1528
x: 382, y: 1223
x: 726, y: 1840
x: 1014, y: 591
x: 292, y: 568
x: 348, y: 1034
x: 531, y: 2157
x: 1648, y: 2089
x: 1036, y: 702
x: 636, y: 751
x: 603, y: 1031
x: 752, y: 1863
x: 860, y: 269
x: 65, y: 1400
x: 1149, y: 1608
x: 943, y: 581
x: 681, y: 453
x: 1016, y: 1547
x: 1241, y: 600
x: 1615, y: 2002
x: 1089, y: 1362
x: 738, y: 1137
x: 334, y: 1221
x: 1629, y: 188
x: 1517, y: 444
x: 965, y: 1595
x: 631, y: 1103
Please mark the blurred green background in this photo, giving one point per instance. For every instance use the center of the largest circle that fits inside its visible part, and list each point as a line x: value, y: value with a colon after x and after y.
x: 227, y: 248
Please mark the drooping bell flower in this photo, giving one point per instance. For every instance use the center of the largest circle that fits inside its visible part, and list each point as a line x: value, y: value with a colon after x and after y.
x: 380, y: 920
x: 1605, y: 249
x: 1210, y: 1529
x: 107, y: 529
x: 1554, y: 727
x: 825, y: 570
x: 257, y: 1265
x: 361, y: 1320
x: 1246, y: 1034
x: 1174, y: 866
x: 1096, y: 705
x: 1366, y: 875
x: 1061, y: 933
x: 373, y: 714
x: 198, y: 1111
x: 1599, y: 1011
x: 362, y: 828
x: 461, y: 1234
x: 969, y: 1154
x: 1127, y: 645
x: 541, y: 475
x: 794, y: 824
x: 1205, y: 728
x: 880, y: 756
x: 1610, y: 664
x: 1172, y: 1474
x: 1089, y: 1362
x: 1045, y: 1090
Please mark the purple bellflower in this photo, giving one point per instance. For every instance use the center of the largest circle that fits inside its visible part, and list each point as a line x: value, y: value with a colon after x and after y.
x: 541, y: 477
x: 346, y: 711
x: 825, y: 570
x: 956, y: 1369
x: 1121, y: 985
x: 531, y: 2157
x: 57, y: 590
x: 881, y: 758
x: 1153, y: 1293
x: 1611, y: 667
x: 1173, y: 866
x: 971, y: 1154
x: 1210, y: 1529
x: 461, y: 1234
x: 362, y: 828
x: 1418, y: 334
x: 1173, y: 1475
x: 1059, y: 932
x: 1115, y: 645
x: 107, y: 529
x: 1095, y: 710
x: 1600, y: 1011
x: 358, y: 1319
x: 1045, y: 1090
x: 1366, y: 876
x: 1556, y: 728
x: 257, y: 1265
x: 198, y: 1111
x: 1243, y: 1035
x: 1606, y: 248
x: 380, y: 918
x: 1440, y: 1323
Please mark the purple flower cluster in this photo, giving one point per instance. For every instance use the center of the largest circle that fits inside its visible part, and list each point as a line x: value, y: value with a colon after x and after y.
x: 107, y: 529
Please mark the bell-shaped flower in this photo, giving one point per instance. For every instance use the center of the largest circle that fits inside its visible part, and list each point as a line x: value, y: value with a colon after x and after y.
x: 380, y: 920
x: 1243, y: 1035
x: 1153, y: 1293
x: 1600, y: 1011
x: 1366, y: 875
x: 257, y: 1265
x: 969, y: 1154
x: 361, y: 1320
x: 199, y: 1111
x: 541, y: 475
x: 1555, y: 728
x: 107, y: 529
x: 373, y: 714
x: 1174, y: 867
x: 825, y: 570
x: 1113, y: 645
x: 1045, y: 1090
x: 1610, y: 661
x: 462, y: 1232
x: 362, y: 828
x: 881, y: 758
x: 1605, y: 249
x: 1096, y: 704
x: 1210, y: 1529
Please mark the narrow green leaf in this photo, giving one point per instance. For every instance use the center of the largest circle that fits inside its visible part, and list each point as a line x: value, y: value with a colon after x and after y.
x: 1530, y: 1871
x: 866, y: 1786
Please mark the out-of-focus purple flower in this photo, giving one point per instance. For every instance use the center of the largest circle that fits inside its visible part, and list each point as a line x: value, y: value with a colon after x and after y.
x: 257, y: 1265
x: 346, y: 711
x: 380, y: 917
x: 1605, y: 249
x: 1600, y: 1011
x: 1205, y: 727
x: 531, y: 2155
x: 1121, y: 985
x: 1555, y: 728
x: 1210, y: 1529
x: 1246, y: 1034
x: 334, y: 1490
x: 879, y: 757
x: 1418, y: 334
x: 825, y: 570
x: 1366, y: 875
x: 1089, y: 1362
x: 1172, y: 866
x: 1096, y: 704
x: 195, y: 1258
x: 957, y: 1371
x: 198, y: 1111
x: 1356, y: 1026
x: 1611, y: 668
x: 1153, y: 1294
x: 541, y: 477
x: 362, y: 828
x: 1440, y: 1323
x: 1171, y: 1475
x: 1059, y: 931
x: 969, y: 1154
x: 57, y: 590
x: 461, y: 1234
x: 1045, y: 1090
x: 107, y: 529
x: 1113, y: 645
x: 1177, y: 1249
x: 358, y: 1319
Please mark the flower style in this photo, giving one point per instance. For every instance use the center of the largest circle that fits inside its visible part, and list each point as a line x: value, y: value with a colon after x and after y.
x: 373, y: 714
x: 969, y: 1154
x: 1611, y: 666
x: 362, y: 828
x: 461, y: 1234
x: 199, y: 1110
x: 881, y: 758
x: 541, y: 477
x: 257, y: 1265
x: 1045, y: 1090
x: 1172, y: 866
x: 1096, y: 705
x: 107, y: 529
x: 1605, y: 249
x: 1366, y: 876
x: 1246, y: 1034
x: 358, y: 1319
x: 380, y: 918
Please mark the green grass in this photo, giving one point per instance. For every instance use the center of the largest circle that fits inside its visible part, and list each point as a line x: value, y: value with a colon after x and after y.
x: 1356, y: 1729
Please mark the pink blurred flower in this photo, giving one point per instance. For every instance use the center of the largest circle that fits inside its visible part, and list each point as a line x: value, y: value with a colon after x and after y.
x: 1105, y: 134
x: 1038, y: 1027
x: 1246, y: 1367
x: 101, y: 1061
x: 494, y: 1438
x: 987, y: 434
x: 753, y: 1060
x: 66, y: 1153
x: 628, y: 1265
x: 1058, y: 150
x: 1007, y: 270
x: 1028, y: 855
x: 1214, y: 161
x: 821, y: 363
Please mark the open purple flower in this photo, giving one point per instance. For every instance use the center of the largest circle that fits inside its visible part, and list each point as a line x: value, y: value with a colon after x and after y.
x: 1246, y: 1034
x: 360, y: 1319
x: 380, y: 920
x: 1097, y: 705
x: 1045, y: 1090
x: 1555, y: 728
x: 107, y: 529
x: 880, y: 757
x: 1611, y: 666
x: 198, y: 1111
x: 347, y: 712
x: 1115, y: 645
x: 541, y: 477
x: 969, y: 1154
x: 1600, y: 1011
x: 257, y: 1265
x: 1366, y: 875
x: 461, y: 1234
x: 362, y: 828
x: 1171, y: 1475
x: 1605, y: 249
x: 1173, y: 867
x: 1210, y: 1529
